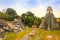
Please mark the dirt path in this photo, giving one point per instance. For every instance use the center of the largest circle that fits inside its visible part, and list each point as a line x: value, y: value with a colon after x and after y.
x: 26, y: 37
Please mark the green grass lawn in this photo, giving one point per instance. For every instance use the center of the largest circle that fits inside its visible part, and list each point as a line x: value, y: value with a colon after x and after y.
x: 40, y: 33
x: 17, y: 36
x: 10, y: 36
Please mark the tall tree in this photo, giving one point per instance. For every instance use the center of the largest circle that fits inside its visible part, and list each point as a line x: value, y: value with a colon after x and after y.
x: 2, y: 16
x: 27, y: 18
x: 37, y: 21
x: 8, y: 17
x: 11, y: 12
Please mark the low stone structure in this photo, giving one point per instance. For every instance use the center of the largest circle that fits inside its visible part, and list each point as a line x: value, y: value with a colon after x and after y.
x: 18, y: 25
x: 10, y: 26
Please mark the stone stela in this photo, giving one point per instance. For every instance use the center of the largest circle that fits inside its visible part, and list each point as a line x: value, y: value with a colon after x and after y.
x: 49, y: 21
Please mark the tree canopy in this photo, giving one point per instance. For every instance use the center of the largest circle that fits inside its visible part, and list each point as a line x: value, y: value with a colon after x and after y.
x: 37, y: 21
x: 27, y: 18
x: 2, y: 15
x: 11, y: 12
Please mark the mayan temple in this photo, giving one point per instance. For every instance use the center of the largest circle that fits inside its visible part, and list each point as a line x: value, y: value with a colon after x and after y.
x: 49, y: 22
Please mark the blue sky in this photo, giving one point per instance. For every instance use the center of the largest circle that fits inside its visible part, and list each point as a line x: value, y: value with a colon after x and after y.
x: 38, y: 7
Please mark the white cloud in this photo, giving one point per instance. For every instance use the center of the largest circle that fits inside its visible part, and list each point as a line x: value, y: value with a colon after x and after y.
x: 39, y: 10
x: 1, y: 8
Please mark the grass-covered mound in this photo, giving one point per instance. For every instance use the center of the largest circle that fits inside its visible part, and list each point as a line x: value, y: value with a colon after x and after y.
x: 17, y: 36
x: 40, y: 34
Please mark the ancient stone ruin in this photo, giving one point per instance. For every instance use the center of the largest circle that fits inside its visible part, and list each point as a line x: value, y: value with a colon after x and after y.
x: 49, y: 21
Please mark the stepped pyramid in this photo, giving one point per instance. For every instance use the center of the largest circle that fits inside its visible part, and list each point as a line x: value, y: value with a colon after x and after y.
x: 49, y: 21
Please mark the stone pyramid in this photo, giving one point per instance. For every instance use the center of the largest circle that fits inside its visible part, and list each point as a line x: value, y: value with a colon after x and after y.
x: 49, y: 21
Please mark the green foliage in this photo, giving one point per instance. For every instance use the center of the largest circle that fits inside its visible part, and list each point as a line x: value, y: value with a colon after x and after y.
x: 2, y: 15
x: 28, y: 18
x: 17, y: 17
x: 11, y: 12
x: 58, y: 20
x: 8, y: 17
x: 37, y: 21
